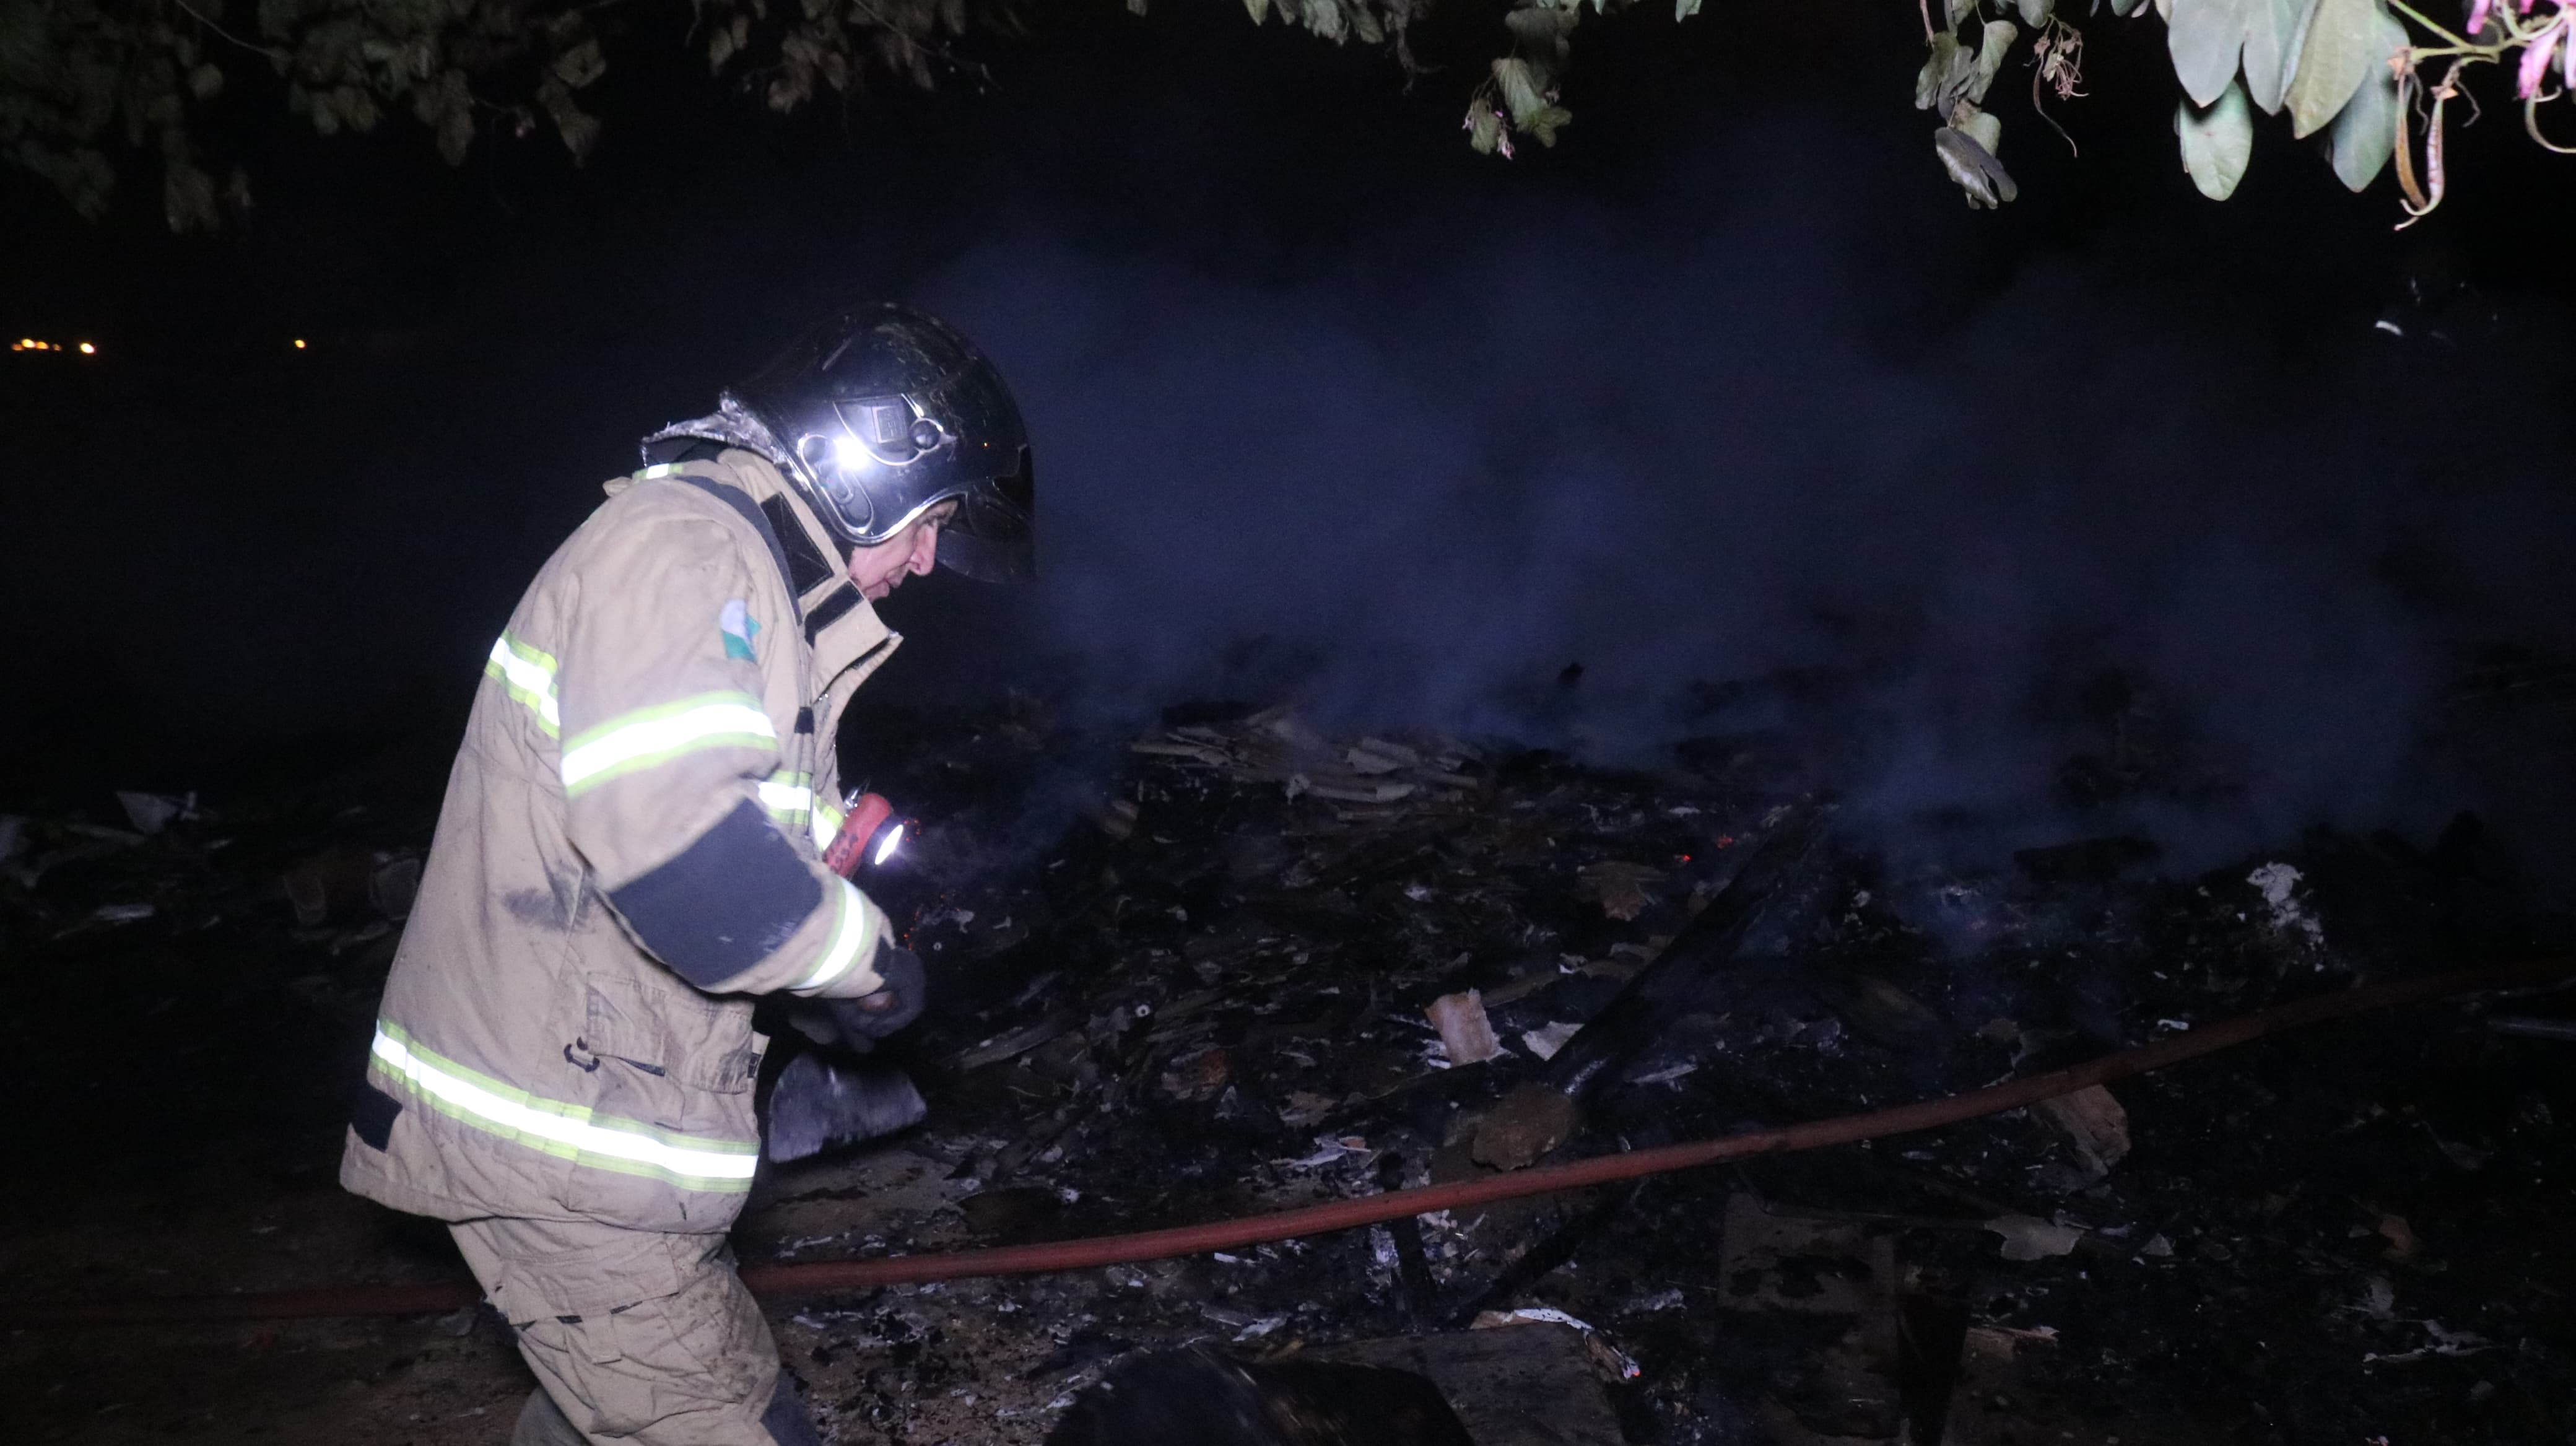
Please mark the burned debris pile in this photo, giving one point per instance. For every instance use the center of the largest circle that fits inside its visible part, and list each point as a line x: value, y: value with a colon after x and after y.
x: 1235, y: 965
x: 1266, y: 967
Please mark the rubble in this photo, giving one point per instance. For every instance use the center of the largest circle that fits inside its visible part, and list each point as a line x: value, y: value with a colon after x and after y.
x: 1466, y: 1034
x: 1523, y: 1126
x: 152, y: 812
x: 345, y: 884
x: 2278, y: 883
x: 2092, y: 1120
x: 2026, y: 1237
x: 1239, y: 969
x: 1200, y: 1396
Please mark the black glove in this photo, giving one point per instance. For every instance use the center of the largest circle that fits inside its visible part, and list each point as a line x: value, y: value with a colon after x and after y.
x: 899, y: 1003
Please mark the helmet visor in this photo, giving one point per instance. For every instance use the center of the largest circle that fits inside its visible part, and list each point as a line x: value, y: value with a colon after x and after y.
x: 993, y: 537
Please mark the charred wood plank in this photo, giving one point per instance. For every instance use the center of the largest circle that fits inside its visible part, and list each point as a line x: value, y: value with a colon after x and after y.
x: 1636, y: 1015
x: 1412, y: 1266
x: 1556, y: 1248
x: 1541, y: 1114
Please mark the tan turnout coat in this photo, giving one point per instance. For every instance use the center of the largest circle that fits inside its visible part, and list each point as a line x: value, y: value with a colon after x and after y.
x: 627, y: 854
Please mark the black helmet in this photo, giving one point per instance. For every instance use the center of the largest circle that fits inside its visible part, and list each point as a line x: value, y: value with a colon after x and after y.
x: 879, y: 414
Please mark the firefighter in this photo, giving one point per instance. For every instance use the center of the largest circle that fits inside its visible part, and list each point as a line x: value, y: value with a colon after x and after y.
x: 629, y: 853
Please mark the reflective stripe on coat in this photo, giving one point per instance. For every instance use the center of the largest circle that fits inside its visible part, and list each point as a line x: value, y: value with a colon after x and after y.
x: 626, y: 857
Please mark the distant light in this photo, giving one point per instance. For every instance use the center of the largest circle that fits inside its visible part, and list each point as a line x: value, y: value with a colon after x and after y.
x: 88, y: 350
x: 299, y: 343
x: 893, y: 840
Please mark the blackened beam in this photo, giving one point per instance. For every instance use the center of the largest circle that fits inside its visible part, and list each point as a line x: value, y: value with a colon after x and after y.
x: 1636, y: 1014
x: 1535, y: 1263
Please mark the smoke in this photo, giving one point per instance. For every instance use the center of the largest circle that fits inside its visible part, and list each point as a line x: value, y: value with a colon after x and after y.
x: 2158, y: 519
x: 2020, y: 527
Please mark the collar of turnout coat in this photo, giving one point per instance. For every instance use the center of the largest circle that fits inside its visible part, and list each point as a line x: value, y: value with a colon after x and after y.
x: 841, y: 625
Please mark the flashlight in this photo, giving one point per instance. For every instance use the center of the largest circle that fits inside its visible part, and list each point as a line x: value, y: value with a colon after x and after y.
x: 870, y: 834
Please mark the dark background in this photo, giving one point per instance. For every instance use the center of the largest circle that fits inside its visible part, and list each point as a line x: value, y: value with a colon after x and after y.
x: 1729, y: 388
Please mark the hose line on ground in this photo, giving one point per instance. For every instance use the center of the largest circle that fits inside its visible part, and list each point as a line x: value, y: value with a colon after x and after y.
x: 812, y: 1277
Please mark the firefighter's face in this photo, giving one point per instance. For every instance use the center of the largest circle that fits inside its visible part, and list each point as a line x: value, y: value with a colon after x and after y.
x: 912, y: 552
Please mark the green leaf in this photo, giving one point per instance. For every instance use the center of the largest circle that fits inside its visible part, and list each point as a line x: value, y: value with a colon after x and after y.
x: 1484, y: 128
x: 2204, y: 39
x: 1936, y: 69
x: 456, y: 135
x: 2125, y: 8
x: 2035, y: 13
x: 1986, y: 130
x: 1958, y: 10
x: 2333, y: 62
x: 205, y: 82
x: 1520, y: 87
x: 1684, y: 9
x: 188, y: 198
x: 356, y: 107
x: 1547, y: 122
x: 1998, y: 38
x: 2274, y: 32
x: 1974, y: 167
x: 581, y: 65
x: 2217, y: 141
x: 1942, y: 69
x: 1260, y: 10
x: 1541, y: 25
x: 2365, y: 130
x: 580, y: 132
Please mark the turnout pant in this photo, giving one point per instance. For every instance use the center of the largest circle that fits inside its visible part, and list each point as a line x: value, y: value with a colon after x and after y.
x: 635, y: 1337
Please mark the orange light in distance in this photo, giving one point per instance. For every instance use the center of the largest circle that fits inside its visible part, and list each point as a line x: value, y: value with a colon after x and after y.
x: 88, y: 350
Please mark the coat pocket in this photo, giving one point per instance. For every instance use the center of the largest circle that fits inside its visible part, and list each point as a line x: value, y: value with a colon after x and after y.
x: 666, y: 1074
x: 671, y: 1033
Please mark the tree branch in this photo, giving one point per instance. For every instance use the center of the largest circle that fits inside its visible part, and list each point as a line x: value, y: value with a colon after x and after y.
x: 203, y: 19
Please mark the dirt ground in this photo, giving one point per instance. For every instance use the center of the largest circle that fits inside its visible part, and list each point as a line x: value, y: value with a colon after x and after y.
x: 1190, y: 981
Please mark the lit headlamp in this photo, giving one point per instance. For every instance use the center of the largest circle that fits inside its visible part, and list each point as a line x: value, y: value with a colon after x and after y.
x: 869, y: 837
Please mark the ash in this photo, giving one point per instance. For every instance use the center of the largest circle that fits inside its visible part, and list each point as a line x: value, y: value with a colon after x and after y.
x: 1230, y: 965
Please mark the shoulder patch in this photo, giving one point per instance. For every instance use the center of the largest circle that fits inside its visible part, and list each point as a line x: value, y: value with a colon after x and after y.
x: 739, y: 627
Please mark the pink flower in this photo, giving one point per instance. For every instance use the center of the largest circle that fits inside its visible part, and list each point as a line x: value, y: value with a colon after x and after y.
x: 2478, y: 15
x: 2535, y: 57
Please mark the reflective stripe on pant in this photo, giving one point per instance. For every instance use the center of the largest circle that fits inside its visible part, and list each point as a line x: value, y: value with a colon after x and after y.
x: 637, y: 1337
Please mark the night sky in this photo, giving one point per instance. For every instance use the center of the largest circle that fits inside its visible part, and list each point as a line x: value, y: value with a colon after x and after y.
x: 1729, y: 386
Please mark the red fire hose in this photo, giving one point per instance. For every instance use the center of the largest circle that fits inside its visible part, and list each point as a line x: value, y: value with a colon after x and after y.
x: 1060, y: 1255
